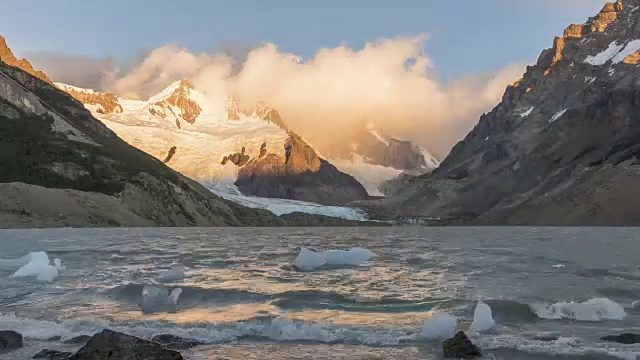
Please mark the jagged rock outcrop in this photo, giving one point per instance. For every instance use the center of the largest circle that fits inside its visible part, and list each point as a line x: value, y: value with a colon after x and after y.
x: 105, y: 103
x: 376, y: 148
x: 6, y: 56
x: 261, y: 110
x: 562, y: 146
x: 59, y: 166
x: 170, y: 153
x: 298, y: 173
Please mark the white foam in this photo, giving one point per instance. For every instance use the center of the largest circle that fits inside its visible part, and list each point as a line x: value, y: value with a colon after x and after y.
x: 559, y: 266
x: 173, y: 274
x: 563, y: 346
x: 635, y: 304
x: 309, y: 260
x: 37, y: 264
x: 482, y: 318
x: 440, y: 326
x: 278, y: 329
x: 597, y: 309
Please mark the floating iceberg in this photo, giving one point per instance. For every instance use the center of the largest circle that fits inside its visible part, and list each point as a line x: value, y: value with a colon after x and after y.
x: 38, y: 264
x: 173, y: 274
x: 482, y: 318
x: 309, y: 260
x: 440, y: 326
x: 158, y: 299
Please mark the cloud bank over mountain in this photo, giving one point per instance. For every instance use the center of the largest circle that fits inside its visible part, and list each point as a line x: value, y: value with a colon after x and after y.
x: 390, y: 81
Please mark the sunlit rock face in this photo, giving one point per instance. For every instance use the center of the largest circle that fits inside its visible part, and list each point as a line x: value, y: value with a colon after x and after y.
x: 298, y: 173
x: 8, y: 58
x: 560, y: 148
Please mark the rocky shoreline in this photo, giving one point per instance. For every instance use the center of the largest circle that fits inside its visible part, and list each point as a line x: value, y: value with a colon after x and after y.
x: 109, y: 344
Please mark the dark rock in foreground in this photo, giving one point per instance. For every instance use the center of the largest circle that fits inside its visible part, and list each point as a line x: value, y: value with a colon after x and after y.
x: 459, y: 347
x: 111, y: 345
x: 81, y: 339
x: 175, y: 342
x: 10, y: 339
x: 53, y: 355
x: 626, y: 338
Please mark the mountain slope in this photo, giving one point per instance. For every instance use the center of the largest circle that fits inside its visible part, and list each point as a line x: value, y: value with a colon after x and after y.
x: 59, y: 166
x: 213, y: 141
x: 562, y: 146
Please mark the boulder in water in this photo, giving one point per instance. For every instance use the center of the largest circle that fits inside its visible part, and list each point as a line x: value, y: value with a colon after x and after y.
x: 460, y: 347
x: 53, y: 355
x: 109, y: 345
x: 626, y: 338
x: 10, y: 339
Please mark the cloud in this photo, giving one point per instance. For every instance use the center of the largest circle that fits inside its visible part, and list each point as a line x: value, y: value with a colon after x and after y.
x: 81, y: 71
x: 390, y: 82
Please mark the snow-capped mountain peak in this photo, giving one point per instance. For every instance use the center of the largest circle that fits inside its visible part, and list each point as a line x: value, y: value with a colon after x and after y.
x: 176, y: 100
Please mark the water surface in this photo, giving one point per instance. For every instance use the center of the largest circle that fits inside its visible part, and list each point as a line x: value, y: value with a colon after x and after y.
x: 243, y: 300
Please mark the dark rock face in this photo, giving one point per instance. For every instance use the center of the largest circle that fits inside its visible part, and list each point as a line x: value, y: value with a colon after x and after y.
x: 10, y: 339
x: 49, y: 141
x: 460, y: 347
x: 561, y: 148
x: 625, y: 338
x: 239, y: 158
x: 114, y: 345
x: 53, y: 355
x: 170, y: 153
x: 299, y: 174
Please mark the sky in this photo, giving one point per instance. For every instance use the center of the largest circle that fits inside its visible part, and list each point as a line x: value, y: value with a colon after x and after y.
x: 422, y: 70
x: 466, y: 36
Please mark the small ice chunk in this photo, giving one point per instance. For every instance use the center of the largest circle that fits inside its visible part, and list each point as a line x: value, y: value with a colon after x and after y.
x: 38, y: 265
x: 158, y: 299
x: 173, y: 274
x: 355, y: 256
x: 309, y: 260
x: 482, y: 318
x: 440, y: 326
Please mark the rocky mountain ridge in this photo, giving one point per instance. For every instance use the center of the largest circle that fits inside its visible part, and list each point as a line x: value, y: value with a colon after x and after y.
x: 561, y: 147
x: 59, y: 166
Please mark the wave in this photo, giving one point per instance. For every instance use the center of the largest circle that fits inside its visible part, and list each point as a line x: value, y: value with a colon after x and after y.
x: 193, y: 296
x: 278, y: 329
x: 597, y: 309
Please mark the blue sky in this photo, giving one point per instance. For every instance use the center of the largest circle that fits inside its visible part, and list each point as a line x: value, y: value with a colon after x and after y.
x: 466, y: 36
